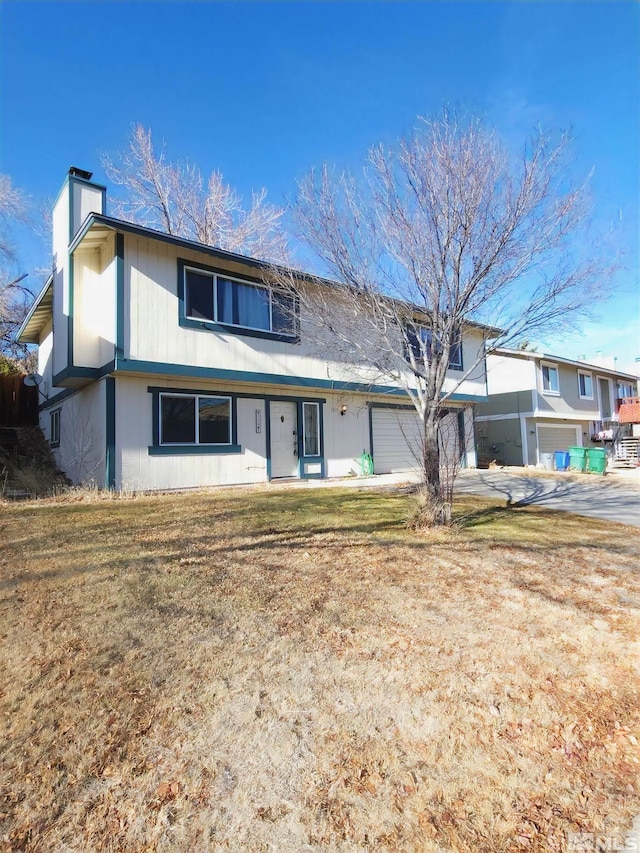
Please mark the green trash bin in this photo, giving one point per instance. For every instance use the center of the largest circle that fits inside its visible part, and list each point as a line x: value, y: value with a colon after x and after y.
x: 577, y: 459
x: 596, y: 460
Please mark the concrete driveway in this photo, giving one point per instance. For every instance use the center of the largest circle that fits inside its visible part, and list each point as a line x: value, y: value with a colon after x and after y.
x: 612, y: 498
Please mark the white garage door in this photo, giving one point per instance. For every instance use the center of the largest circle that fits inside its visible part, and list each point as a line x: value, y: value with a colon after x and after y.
x: 396, y: 440
x: 552, y: 438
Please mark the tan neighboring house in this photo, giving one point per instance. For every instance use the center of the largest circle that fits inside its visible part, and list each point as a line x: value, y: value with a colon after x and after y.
x: 539, y: 403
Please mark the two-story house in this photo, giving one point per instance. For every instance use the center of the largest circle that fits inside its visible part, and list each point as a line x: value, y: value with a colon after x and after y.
x: 540, y: 403
x: 170, y: 364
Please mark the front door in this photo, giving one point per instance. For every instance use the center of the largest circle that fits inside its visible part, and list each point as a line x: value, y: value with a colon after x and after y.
x: 284, y: 439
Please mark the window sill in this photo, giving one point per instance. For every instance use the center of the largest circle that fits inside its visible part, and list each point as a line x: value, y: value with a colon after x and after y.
x: 550, y: 393
x: 193, y: 449
x: 207, y: 325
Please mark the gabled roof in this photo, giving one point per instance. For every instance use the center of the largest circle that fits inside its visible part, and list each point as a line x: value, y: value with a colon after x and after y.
x: 543, y: 356
x: 97, y: 226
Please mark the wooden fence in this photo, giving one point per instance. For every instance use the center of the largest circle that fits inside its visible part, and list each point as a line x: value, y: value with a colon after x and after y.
x: 18, y: 402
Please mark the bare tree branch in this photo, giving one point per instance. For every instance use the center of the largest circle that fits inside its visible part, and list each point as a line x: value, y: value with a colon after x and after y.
x: 15, y: 298
x: 174, y: 198
x: 445, y: 229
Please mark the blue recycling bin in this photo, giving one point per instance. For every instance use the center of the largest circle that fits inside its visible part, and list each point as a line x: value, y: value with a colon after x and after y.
x: 562, y: 460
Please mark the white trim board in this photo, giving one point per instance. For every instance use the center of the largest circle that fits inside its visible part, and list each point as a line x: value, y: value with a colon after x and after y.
x: 512, y: 417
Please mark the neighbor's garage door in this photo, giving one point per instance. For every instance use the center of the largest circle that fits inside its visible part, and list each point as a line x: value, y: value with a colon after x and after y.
x: 552, y: 438
x: 396, y: 440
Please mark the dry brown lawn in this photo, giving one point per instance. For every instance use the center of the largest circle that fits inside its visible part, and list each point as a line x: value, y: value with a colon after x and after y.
x: 254, y: 670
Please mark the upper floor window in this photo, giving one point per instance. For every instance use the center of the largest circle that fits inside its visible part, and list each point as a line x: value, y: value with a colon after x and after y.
x: 215, y: 298
x: 420, y: 339
x: 625, y: 389
x: 585, y: 385
x: 550, y: 379
x: 455, y: 354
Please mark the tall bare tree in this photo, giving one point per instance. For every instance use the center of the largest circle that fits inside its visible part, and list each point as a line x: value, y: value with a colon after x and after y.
x: 446, y: 228
x: 15, y: 298
x: 175, y: 198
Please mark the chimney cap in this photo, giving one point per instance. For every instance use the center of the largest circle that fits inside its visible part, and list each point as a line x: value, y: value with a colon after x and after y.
x: 80, y: 173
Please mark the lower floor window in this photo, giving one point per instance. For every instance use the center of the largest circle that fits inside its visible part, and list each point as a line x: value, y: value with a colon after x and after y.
x: 54, y: 428
x: 194, y: 419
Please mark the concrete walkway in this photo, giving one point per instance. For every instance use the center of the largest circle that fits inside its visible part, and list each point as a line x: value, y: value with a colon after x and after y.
x: 614, y: 497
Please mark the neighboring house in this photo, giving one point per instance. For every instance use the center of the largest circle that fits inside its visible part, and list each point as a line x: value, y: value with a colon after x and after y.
x: 169, y: 364
x: 541, y: 403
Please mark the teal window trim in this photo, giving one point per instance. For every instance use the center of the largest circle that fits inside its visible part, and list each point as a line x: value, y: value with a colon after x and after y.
x: 419, y: 337
x: 110, y: 450
x: 267, y: 435
x: 217, y: 392
x: 314, y: 460
x: 456, y: 358
x: 158, y: 449
x: 196, y: 372
x: 192, y: 372
x: 193, y: 449
x: 187, y: 322
x: 304, y: 431
x: 120, y: 306
x: 55, y: 417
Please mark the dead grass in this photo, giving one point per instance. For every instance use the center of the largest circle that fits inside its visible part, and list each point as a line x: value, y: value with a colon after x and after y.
x: 295, y: 671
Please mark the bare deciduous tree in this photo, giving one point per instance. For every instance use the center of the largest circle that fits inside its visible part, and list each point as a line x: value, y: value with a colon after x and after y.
x: 175, y: 198
x: 15, y: 298
x: 442, y: 230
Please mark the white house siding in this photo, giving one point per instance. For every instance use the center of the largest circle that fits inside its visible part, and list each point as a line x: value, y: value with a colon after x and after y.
x: 346, y: 436
x: 76, y: 201
x: 152, y: 332
x: 94, y: 306
x: 45, y: 351
x: 82, y: 451
x: 60, y: 227
x: 136, y: 469
x: 509, y: 373
x: 86, y: 199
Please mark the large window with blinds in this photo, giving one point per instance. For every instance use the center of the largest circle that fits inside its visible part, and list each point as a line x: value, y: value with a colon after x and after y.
x: 213, y: 298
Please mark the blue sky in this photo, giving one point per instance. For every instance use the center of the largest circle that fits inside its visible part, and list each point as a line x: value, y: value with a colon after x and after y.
x: 263, y: 91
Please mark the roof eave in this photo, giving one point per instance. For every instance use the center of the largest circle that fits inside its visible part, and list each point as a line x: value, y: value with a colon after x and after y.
x: 29, y: 331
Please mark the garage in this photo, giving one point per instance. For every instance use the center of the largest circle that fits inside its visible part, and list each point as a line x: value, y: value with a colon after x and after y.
x: 396, y: 440
x: 557, y: 437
